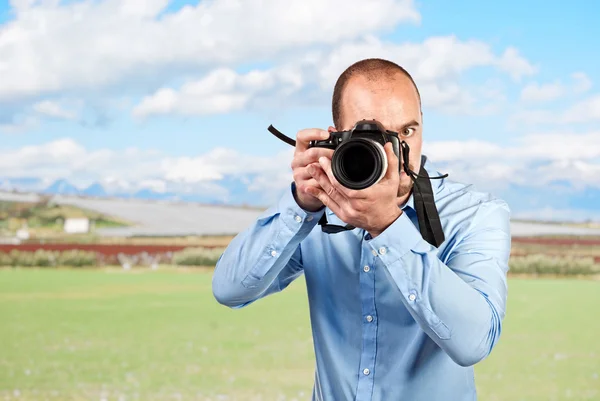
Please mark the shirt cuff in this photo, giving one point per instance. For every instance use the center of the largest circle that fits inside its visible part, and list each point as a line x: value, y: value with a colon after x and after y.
x: 399, y: 238
x: 293, y: 215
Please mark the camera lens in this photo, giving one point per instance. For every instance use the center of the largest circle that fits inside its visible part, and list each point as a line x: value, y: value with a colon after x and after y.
x: 359, y: 163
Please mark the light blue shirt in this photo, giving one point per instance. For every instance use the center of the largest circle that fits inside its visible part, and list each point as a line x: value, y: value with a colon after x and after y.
x: 393, y: 318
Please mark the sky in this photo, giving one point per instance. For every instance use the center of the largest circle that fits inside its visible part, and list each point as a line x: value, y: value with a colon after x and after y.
x: 176, y: 96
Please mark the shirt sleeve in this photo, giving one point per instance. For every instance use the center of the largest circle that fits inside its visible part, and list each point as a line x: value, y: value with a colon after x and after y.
x: 266, y: 257
x: 460, y: 304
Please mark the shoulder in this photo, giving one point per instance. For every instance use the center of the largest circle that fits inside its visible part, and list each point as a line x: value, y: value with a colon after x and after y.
x: 465, y: 208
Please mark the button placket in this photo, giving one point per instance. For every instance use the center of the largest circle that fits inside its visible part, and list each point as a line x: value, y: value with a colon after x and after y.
x: 369, y: 325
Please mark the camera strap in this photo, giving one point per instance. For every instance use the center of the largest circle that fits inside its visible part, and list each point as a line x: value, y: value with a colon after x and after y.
x: 428, y: 217
x: 427, y: 214
x: 430, y: 225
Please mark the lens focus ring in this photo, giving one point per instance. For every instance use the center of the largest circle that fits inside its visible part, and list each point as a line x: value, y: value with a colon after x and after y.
x: 359, y: 163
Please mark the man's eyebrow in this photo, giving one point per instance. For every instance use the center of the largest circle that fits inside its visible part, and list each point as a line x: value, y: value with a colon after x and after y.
x: 408, y: 124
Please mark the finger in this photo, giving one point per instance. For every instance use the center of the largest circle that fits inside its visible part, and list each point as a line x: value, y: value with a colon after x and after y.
x: 325, y: 200
x: 324, y: 183
x: 303, y: 179
x: 305, y: 136
x: 308, y: 182
x: 347, y: 192
x: 311, y: 155
x: 301, y: 173
x: 393, y: 162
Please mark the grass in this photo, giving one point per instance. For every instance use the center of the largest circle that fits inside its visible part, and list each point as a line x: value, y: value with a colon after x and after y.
x: 159, y: 335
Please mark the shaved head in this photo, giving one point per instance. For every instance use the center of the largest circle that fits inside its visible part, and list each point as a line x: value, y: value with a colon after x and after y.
x: 373, y: 70
x: 376, y: 89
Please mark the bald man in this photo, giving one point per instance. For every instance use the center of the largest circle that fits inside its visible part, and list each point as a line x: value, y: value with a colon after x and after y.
x: 393, y: 317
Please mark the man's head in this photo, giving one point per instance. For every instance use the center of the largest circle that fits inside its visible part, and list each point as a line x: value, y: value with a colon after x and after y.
x: 376, y: 89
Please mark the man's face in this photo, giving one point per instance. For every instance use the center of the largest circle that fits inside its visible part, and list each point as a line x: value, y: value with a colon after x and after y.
x: 395, y: 104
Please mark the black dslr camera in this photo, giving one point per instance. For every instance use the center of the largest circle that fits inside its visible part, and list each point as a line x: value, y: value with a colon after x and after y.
x: 359, y: 159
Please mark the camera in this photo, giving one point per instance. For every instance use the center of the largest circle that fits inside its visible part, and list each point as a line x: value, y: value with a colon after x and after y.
x: 359, y: 159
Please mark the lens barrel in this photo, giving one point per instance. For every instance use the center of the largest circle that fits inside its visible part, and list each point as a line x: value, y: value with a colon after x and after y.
x: 359, y: 163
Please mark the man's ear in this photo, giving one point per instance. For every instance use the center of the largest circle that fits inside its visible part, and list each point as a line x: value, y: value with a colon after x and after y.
x: 331, y: 129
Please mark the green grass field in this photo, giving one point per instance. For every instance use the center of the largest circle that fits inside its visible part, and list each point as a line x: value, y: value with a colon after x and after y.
x: 116, y: 335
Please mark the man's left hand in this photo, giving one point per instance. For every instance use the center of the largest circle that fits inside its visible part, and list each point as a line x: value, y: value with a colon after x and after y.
x: 373, y: 209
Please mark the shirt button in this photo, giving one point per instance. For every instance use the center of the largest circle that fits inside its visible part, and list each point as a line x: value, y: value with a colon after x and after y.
x: 298, y: 219
x: 366, y: 372
x: 273, y: 253
x: 374, y: 252
x: 382, y: 250
x: 366, y: 269
x: 309, y: 218
x: 412, y: 297
x: 369, y: 318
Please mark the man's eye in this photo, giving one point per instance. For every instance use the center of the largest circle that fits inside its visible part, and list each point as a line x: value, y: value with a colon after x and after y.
x: 408, y: 131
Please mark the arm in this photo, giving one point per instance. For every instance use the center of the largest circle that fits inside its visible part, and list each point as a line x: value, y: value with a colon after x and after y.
x: 460, y: 305
x: 266, y: 257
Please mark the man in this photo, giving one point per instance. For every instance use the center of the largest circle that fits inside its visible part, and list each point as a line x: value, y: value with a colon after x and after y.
x: 393, y: 317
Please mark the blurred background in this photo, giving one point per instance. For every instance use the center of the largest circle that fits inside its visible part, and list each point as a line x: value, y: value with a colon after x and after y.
x: 134, y: 146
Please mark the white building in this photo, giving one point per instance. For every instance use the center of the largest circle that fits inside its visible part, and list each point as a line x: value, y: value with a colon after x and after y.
x: 77, y: 225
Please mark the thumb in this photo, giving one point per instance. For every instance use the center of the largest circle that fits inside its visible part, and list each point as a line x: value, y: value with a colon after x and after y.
x: 393, y: 162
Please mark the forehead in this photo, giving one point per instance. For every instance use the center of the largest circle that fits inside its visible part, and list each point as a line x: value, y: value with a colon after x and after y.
x: 391, y: 101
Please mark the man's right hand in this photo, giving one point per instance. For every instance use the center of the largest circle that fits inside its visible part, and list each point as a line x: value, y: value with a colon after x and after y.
x: 303, y: 157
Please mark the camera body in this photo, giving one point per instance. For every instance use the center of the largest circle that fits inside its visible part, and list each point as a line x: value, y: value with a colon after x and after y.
x: 359, y: 159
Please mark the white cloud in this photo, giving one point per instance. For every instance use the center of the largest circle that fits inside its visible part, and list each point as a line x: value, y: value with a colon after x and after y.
x: 19, y: 125
x: 155, y: 185
x: 221, y: 162
x: 536, y: 92
x: 514, y: 64
x: 91, y: 49
x: 436, y: 65
x: 536, y: 160
x: 51, y: 47
x: 533, y: 160
x: 66, y: 158
x: 433, y: 63
x: 221, y: 91
x: 559, y: 146
x: 583, y: 111
x: 582, y: 83
x: 53, y: 109
x: 134, y: 169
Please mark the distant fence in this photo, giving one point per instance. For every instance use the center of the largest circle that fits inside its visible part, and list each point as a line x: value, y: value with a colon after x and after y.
x: 557, y: 241
x: 127, y: 256
x: 537, y: 255
x: 103, y: 249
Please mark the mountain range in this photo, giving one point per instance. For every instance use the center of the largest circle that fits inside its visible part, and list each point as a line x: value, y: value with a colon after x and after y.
x: 559, y: 202
x: 232, y: 191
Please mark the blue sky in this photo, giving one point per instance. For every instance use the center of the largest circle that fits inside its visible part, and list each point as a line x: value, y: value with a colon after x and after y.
x: 177, y: 99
